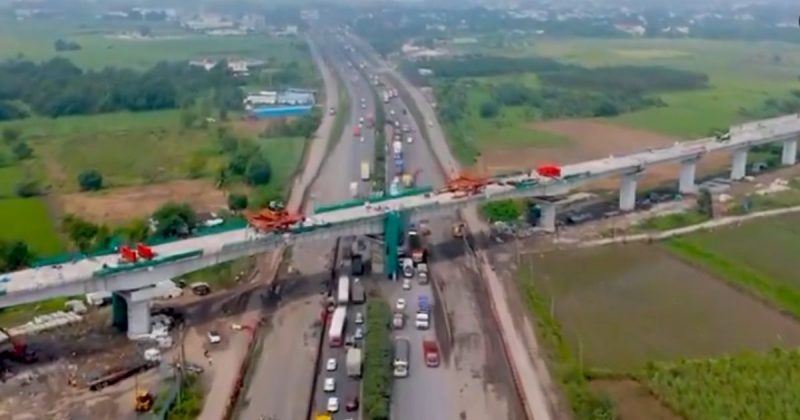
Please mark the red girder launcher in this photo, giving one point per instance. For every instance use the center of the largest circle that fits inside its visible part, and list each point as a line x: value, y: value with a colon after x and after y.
x: 145, y: 251
x: 466, y: 185
x: 549, y: 171
x: 274, y: 220
x: 128, y: 255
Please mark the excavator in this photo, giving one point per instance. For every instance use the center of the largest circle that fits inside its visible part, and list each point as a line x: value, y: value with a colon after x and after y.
x: 269, y: 220
x: 144, y: 401
x: 19, y: 350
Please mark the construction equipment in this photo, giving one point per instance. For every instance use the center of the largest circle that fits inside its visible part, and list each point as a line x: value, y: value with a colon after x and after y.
x: 19, y: 349
x: 550, y: 171
x: 466, y: 184
x: 127, y: 255
x: 268, y: 220
x: 144, y: 401
x: 145, y: 251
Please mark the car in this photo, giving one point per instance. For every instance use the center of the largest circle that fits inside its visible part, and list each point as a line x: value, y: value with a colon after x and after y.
x: 406, y: 284
x: 359, y: 334
x: 362, y: 139
x: 333, y: 404
x: 400, y: 304
x: 352, y: 404
x: 349, y: 341
x: 363, y: 106
x: 214, y: 337
x: 359, y: 318
x: 330, y: 385
x: 410, y: 139
x: 331, y: 365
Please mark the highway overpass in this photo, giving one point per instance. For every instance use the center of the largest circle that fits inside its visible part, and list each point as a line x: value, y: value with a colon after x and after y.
x: 105, y: 273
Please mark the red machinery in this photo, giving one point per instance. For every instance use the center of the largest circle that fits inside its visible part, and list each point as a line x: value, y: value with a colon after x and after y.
x: 550, y: 171
x: 274, y: 220
x: 20, y: 352
x: 126, y: 254
x: 145, y: 251
x: 466, y: 184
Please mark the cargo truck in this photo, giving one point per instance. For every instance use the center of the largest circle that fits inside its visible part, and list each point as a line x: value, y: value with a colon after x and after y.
x: 402, y: 349
x: 431, y: 353
x: 422, y: 273
x: 407, y: 266
x: 353, y: 362
x: 397, y: 148
x: 415, y: 247
x: 365, y: 171
x: 399, y: 163
x: 408, y: 180
x: 359, y: 294
x: 343, y: 291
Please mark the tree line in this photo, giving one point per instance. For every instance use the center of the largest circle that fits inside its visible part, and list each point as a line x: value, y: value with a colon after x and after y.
x: 58, y: 87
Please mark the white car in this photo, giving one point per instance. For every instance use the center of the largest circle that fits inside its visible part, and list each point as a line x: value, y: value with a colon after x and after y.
x: 359, y: 333
x: 410, y: 139
x: 359, y: 318
x: 331, y: 365
x: 362, y: 139
x: 214, y: 337
x: 330, y: 385
x: 406, y: 284
x: 333, y: 404
x: 400, y: 304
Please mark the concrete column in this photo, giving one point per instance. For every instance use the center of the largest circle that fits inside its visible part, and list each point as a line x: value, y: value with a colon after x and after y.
x: 627, y: 192
x: 789, y: 156
x: 686, y: 184
x: 119, y: 312
x: 739, y: 164
x: 547, y: 217
x: 138, y: 318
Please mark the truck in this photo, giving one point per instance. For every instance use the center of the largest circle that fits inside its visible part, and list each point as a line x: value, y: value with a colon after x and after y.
x: 343, y: 291
x: 397, y: 148
x: 354, y: 189
x: 353, y: 362
x: 423, y: 304
x: 402, y: 350
x: 370, y: 121
x: 407, y: 266
x: 408, y: 180
x: 431, y: 352
x: 399, y: 163
x: 359, y: 294
x: 385, y: 97
x: 422, y: 273
x: 365, y: 171
x: 415, y: 247
x: 336, y: 329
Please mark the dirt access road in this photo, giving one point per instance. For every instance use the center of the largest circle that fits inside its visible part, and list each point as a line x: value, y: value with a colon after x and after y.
x: 529, y: 367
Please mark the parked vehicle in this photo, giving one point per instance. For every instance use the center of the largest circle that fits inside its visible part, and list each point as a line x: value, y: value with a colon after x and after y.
x: 353, y: 362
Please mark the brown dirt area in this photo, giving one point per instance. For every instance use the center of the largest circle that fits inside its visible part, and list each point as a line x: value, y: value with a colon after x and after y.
x: 632, y: 400
x: 594, y: 139
x: 119, y: 205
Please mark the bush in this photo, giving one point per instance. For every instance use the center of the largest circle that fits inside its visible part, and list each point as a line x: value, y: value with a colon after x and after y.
x: 11, y: 134
x: 489, y: 109
x: 28, y: 188
x: 175, y: 220
x: 503, y: 210
x: 237, y: 202
x: 259, y: 171
x: 377, y: 361
x: 90, y: 180
x: 21, y: 150
x: 14, y: 255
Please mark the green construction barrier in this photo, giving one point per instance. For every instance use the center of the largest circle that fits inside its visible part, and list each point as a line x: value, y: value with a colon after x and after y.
x: 103, y: 272
x: 339, y: 206
x: 393, y: 236
x: 407, y: 193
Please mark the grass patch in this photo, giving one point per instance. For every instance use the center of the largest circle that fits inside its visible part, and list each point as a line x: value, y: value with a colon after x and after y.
x: 189, y: 403
x: 18, y: 315
x: 671, y: 221
x: 27, y: 219
x: 568, y: 368
x: 9, y: 177
x: 746, y: 386
x: 224, y: 275
x: 377, y: 383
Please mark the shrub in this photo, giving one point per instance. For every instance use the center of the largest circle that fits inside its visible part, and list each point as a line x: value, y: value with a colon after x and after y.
x: 90, y: 180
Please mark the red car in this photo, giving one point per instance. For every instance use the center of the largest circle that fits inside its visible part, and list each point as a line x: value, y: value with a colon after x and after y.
x: 352, y: 404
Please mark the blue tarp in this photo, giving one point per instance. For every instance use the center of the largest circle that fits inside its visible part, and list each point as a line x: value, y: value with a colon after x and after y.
x: 281, y: 111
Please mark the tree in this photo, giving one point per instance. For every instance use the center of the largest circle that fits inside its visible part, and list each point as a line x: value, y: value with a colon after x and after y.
x: 27, y: 188
x: 259, y: 171
x: 175, y: 220
x: 503, y: 210
x: 237, y: 202
x: 238, y: 164
x: 81, y: 232
x: 14, y: 255
x: 489, y: 109
x: 135, y: 231
x: 21, y: 150
x: 11, y: 134
x: 90, y: 180
x: 705, y: 204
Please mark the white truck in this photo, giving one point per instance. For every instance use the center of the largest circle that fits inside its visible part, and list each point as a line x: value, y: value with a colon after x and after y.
x: 354, y: 189
x: 422, y: 320
x: 353, y: 362
x: 402, y: 350
x: 397, y: 148
x: 422, y: 273
x: 365, y: 171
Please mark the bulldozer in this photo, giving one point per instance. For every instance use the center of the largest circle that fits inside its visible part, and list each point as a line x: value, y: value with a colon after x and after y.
x: 144, y: 401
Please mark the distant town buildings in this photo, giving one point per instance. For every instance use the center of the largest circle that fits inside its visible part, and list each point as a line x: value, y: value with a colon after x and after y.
x: 239, y: 67
x: 266, y: 98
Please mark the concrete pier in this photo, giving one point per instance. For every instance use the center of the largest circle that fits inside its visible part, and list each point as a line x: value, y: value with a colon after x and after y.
x: 547, y: 218
x: 739, y: 164
x: 686, y: 183
x: 627, y: 192
x: 789, y: 156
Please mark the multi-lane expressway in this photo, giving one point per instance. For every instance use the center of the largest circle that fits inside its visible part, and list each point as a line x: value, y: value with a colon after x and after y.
x: 82, y: 276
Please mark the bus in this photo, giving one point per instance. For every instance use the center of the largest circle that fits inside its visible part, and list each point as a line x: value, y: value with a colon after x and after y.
x: 336, y: 330
x: 402, y: 348
x: 343, y: 292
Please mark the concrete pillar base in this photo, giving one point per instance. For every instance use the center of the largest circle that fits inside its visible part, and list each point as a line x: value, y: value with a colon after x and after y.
x: 138, y: 318
x: 739, y: 164
x: 686, y: 183
x: 789, y: 156
x: 627, y: 192
x: 547, y: 217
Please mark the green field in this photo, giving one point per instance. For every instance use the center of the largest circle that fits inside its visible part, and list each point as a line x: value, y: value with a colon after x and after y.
x: 27, y: 219
x: 623, y: 306
x: 34, y: 40
x: 742, y: 74
x: 9, y: 176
